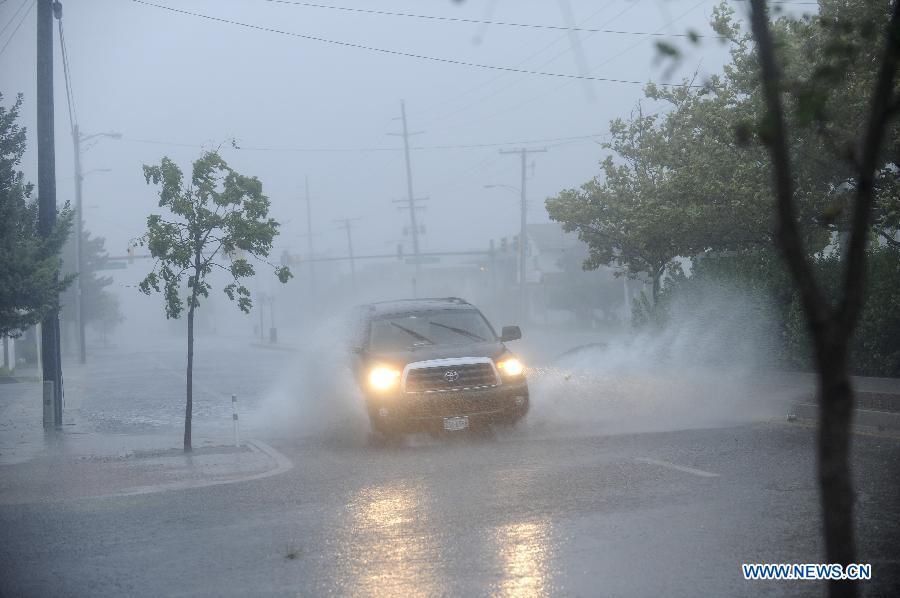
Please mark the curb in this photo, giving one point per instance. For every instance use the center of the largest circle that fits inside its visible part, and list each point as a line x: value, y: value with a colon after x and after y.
x: 861, y: 417
x: 281, y: 465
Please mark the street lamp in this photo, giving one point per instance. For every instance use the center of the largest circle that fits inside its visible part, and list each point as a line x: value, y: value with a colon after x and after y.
x: 78, y: 139
x: 522, y: 240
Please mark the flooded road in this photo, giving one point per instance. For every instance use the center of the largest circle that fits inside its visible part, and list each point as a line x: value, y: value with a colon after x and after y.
x: 529, y: 512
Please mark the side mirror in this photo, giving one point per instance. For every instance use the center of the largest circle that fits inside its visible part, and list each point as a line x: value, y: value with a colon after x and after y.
x: 510, y: 333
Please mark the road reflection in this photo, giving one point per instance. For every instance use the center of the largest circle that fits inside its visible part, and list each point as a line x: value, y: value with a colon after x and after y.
x: 524, y: 554
x: 394, y: 552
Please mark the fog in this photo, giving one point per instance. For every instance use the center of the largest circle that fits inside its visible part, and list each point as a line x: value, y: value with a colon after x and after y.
x: 174, y: 84
x: 291, y: 109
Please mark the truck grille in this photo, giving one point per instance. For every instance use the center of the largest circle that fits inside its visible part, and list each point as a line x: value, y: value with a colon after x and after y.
x: 467, y: 376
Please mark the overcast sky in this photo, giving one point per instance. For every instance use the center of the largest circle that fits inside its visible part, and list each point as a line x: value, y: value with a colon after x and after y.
x: 173, y: 83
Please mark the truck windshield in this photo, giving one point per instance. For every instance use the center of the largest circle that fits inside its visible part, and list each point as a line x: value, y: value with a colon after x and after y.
x: 419, y: 329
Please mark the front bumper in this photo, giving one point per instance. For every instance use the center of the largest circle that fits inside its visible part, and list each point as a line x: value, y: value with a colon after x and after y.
x: 399, y: 412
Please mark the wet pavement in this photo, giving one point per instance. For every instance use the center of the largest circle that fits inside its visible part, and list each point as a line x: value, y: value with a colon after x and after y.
x: 548, y: 509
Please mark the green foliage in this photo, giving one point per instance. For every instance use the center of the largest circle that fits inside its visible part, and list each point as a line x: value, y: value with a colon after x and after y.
x: 213, y: 222
x: 875, y: 347
x: 695, y: 178
x: 30, y: 281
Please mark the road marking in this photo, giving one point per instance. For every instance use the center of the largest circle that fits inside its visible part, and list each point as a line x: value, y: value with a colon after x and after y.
x: 691, y: 470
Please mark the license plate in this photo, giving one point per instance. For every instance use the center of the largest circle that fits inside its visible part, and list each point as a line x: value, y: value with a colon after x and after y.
x: 456, y: 423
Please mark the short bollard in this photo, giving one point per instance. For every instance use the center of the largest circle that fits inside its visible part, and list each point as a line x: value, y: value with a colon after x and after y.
x: 234, y: 417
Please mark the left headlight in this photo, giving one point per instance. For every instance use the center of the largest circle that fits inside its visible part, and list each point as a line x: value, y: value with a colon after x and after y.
x: 510, y: 367
x: 383, y: 378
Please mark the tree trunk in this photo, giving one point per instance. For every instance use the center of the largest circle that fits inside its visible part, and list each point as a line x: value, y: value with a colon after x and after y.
x: 835, y: 479
x: 189, y: 405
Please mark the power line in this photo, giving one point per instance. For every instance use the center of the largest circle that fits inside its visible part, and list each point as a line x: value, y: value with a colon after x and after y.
x: 13, y: 17
x: 480, y: 21
x: 374, y: 148
x: 67, y: 76
x: 22, y: 20
x: 508, y: 109
x: 524, y: 61
x: 400, y: 53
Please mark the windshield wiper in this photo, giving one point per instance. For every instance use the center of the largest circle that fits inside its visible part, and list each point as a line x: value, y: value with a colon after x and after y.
x: 458, y: 331
x: 413, y: 333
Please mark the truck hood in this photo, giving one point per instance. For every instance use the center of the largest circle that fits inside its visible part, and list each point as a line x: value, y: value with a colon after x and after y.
x: 492, y: 349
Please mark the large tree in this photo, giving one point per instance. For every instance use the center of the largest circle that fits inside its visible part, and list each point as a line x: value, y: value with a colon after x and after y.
x: 796, y: 146
x: 213, y: 222
x: 627, y: 216
x: 30, y: 281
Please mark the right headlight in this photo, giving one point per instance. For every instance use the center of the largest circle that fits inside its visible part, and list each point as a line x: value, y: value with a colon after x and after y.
x: 510, y: 367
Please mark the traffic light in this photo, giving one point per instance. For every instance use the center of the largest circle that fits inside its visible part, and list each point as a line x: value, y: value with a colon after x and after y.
x: 504, y: 246
x: 515, y: 243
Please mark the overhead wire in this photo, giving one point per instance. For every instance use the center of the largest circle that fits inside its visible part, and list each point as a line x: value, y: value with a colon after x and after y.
x: 22, y: 20
x: 67, y: 76
x: 493, y: 144
x: 396, y: 52
x: 515, y: 82
x: 13, y: 17
x: 474, y: 21
x: 534, y: 98
x: 524, y: 61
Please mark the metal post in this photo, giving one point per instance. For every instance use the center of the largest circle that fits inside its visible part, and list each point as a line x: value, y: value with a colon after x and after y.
x: 50, y: 353
x: 234, y: 418
x: 493, y: 262
x: 346, y: 225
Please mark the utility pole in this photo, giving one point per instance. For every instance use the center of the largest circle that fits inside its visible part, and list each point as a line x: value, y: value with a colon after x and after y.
x: 50, y: 351
x: 309, y: 242
x: 411, y: 197
x: 77, y: 140
x: 523, y: 298
x: 346, y: 225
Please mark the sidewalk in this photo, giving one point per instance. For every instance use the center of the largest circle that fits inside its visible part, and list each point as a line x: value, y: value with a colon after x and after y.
x: 38, y: 465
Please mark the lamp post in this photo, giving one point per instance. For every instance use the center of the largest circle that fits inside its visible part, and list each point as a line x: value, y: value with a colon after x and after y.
x: 78, y: 139
x: 523, y: 300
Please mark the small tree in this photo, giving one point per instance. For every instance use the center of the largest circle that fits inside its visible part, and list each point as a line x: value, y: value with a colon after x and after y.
x: 30, y: 283
x: 215, y: 220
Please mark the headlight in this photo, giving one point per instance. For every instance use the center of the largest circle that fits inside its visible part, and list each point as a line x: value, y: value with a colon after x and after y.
x: 511, y: 367
x: 383, y: 378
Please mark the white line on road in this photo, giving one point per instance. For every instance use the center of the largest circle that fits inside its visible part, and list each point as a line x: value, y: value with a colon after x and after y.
x: 691, y: 470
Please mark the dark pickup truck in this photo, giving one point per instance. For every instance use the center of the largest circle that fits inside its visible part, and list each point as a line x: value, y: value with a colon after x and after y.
x: 435, y: 365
